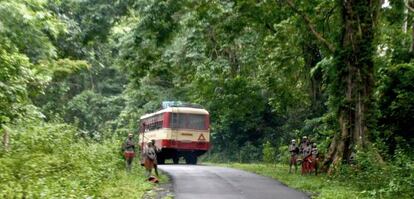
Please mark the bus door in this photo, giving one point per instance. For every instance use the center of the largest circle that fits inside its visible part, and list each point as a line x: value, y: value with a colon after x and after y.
x: 175, y: 118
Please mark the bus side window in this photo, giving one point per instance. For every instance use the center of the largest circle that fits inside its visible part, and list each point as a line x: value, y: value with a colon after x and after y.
x: 155, y: 123
x: 159, y: 124
x: 173, y: 120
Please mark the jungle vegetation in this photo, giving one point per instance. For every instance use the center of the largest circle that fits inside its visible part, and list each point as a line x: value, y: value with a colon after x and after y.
x: 76, y: 75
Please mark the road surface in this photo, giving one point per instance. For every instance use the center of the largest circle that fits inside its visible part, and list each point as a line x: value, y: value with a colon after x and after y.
x: 210, y: 182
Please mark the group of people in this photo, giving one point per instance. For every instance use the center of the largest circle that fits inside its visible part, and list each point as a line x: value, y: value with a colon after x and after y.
x: 306, y: 154
x: 148, y: 156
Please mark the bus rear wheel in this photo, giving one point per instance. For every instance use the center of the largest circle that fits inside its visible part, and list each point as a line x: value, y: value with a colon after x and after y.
x: 176, y: 159
x: 160, y: 160
x: 190, y: 158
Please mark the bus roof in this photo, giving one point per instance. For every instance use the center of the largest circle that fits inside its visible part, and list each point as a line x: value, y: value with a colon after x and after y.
x: 177, y: 110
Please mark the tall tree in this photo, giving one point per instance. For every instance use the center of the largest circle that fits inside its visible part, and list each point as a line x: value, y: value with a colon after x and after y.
x: 352, y: 84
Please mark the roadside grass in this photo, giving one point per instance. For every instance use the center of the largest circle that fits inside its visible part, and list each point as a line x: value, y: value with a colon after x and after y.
x: 321, y: 186
x: 127, y: 185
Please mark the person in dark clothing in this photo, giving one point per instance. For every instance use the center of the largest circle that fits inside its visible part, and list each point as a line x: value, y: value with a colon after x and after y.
x: 129, y: 151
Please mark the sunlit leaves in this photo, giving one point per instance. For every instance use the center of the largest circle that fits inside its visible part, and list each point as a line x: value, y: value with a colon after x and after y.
x: 15, y: 75
x: 30, y: 26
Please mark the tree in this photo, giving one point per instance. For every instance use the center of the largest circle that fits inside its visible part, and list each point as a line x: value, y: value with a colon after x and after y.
x: 351, y: 86
x: 354, y: 84
x: 27, y: 29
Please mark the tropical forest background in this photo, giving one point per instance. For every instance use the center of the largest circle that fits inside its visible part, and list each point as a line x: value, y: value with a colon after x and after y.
x: 76, y: 75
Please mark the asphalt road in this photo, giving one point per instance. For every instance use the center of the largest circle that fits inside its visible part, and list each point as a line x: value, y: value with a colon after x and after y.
x: 210, y: 182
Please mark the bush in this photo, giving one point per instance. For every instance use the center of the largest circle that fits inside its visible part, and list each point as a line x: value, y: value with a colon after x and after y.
x: 47, y: 161
x: 377, y: 179
x: 395, y: 97
x: 250, y: 153
x: 269, y: 153
x: 283, y: 155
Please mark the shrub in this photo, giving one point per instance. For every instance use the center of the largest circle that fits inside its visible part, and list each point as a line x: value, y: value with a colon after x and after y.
x: 250, y: 153
x: 283, y: 154
x: 269, y: 153
x: 377, y: 179
x: 47, y: 161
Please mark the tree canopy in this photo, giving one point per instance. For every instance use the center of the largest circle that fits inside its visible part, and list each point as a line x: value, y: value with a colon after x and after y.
x: 340, y: 72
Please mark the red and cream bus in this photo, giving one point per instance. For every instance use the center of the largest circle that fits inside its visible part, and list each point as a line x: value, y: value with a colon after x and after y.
x: 178, y: 131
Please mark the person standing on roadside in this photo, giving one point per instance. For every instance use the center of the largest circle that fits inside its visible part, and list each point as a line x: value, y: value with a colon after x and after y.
x: 155, y: 161
x: 307, y: 159
x: 150, y: 158
x: 129, y: 151
x: 315, y: 159
x: 294, y: 151
x: 303, y: 145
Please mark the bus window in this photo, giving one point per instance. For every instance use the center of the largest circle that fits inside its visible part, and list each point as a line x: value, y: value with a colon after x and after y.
x: 188, y: 121
x: 152, y: 123
x: 196, y: 122
x: 178, y: 120
x: 155, y: 125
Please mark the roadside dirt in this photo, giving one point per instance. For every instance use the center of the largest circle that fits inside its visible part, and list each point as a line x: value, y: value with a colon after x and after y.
x: 162, y: 190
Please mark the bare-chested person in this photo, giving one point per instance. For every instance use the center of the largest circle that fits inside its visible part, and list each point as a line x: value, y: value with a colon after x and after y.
x: 294, y: 151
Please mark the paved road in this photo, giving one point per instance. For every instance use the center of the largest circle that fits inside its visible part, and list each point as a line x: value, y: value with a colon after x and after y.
x: 209, y: 182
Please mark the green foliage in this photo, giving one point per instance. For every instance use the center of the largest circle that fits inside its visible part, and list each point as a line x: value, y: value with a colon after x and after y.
x: 99, y: 65
x: 46, y: 160
x: 283, y: 154
x: 249, y: 153
x: 30, y: 26
x: 396, y: 103
x: 222, y: 55
x: 380, y: 180
x: 92, y: 112
x: 14, y: 79
x: 27, y: 29
x: 269, y: 155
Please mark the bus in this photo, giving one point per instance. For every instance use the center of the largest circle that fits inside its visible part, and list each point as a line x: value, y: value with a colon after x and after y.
x: 181, y: 130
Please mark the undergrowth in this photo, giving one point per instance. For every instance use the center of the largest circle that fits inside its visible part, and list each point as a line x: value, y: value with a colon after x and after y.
x: 47, y: 160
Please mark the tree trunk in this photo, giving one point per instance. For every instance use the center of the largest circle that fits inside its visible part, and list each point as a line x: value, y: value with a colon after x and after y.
x: 5, y: 140
x: 412, y: 40
x: 312, y: 57
x: 352, y: 88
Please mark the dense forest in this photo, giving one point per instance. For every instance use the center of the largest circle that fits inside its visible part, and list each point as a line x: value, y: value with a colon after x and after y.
x: 76, y: 75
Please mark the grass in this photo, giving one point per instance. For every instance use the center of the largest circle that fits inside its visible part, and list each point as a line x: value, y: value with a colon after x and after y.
x: 127, y: 185
x: 321, y: 186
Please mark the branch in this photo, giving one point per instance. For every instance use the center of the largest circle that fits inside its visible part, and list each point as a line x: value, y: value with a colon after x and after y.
x: 408, y: 6
x: 269, y: 27
x: 311, y: 26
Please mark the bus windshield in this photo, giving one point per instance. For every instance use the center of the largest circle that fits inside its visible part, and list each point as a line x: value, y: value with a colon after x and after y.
x: 188, y: 121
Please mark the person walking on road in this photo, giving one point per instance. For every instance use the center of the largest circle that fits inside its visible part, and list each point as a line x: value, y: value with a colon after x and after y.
x: 129, y: 151
x: 294, y: 151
